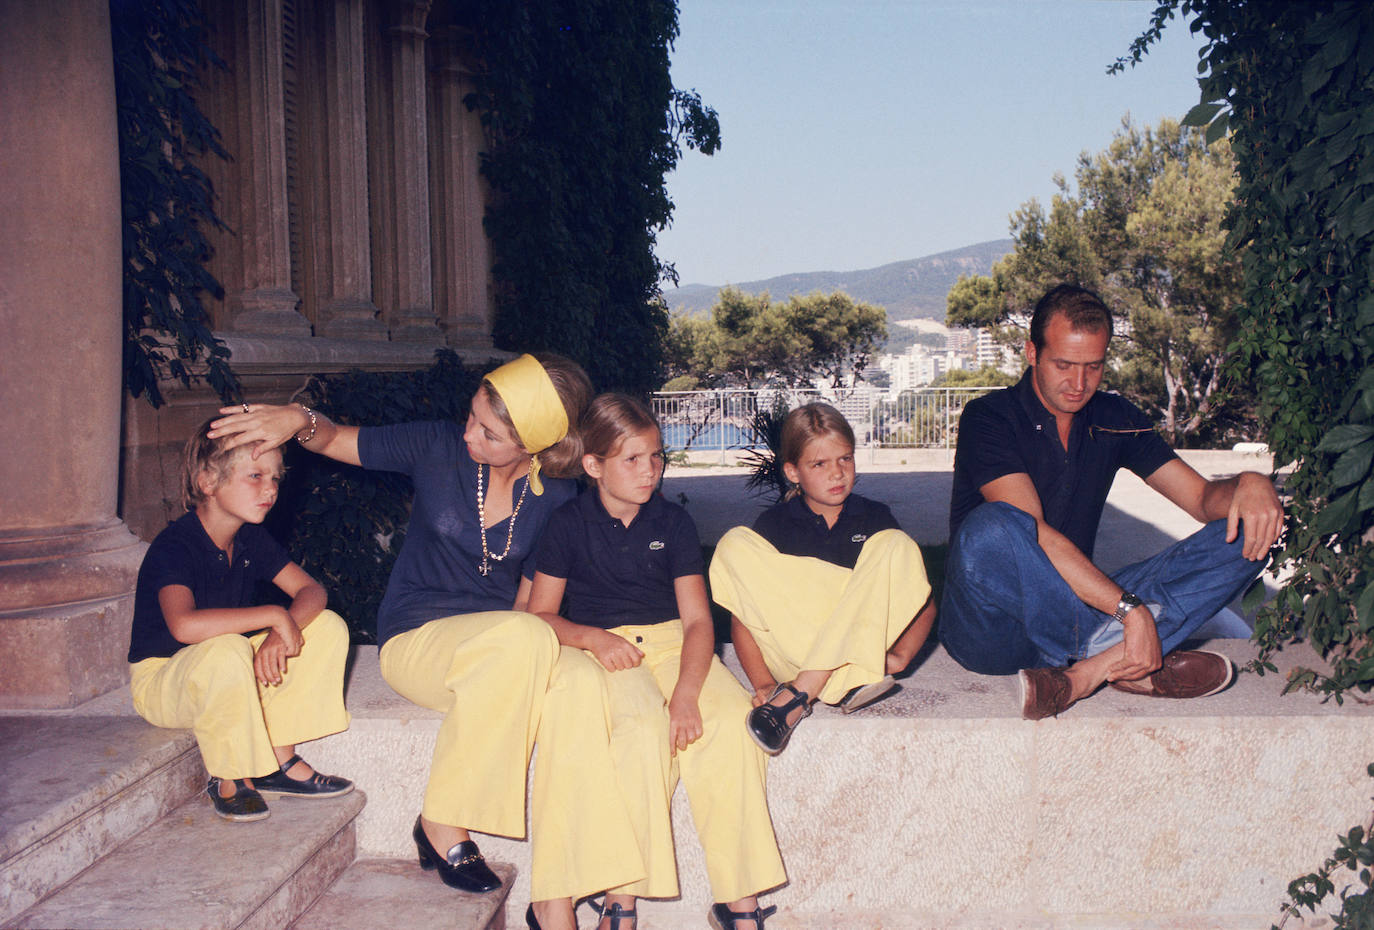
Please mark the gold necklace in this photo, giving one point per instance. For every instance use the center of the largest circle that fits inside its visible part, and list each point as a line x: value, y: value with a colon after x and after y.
x: 487, y: 556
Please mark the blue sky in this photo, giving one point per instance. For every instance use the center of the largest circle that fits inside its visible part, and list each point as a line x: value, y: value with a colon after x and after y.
x: 861, y: 132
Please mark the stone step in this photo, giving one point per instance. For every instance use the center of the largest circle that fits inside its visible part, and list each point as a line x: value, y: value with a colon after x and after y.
x: 73, y: 787
x: 374, y: 893
x: 940, y: 807
x: 193, y: 871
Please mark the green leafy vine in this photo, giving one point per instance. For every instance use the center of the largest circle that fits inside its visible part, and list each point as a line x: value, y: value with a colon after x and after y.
x: 1291, y: 84
x: 160, y: 51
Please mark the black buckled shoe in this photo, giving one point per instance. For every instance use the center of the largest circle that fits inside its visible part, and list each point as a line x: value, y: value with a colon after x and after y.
x: 279, y: 784
x: 768, y: 725
x: 243, y: 806
x: 722, y: 918
x: 463, y: 868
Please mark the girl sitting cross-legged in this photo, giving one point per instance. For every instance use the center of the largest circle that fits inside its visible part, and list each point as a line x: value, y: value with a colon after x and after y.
x: 619, y: 575
x: 828, y: 595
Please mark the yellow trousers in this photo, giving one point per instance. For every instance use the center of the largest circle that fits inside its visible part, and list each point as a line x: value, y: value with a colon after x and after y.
x: 583, y: 840
x: 495, y: 678
x: 724, y: 772
x: 210, y: 687
x: 487, y: 673
x: 807, y: 613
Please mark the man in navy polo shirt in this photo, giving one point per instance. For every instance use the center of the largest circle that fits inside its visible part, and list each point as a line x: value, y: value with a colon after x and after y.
x: 1032, y: 469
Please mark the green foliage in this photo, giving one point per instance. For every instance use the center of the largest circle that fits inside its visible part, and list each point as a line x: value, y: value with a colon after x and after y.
x: 1291, y: 82
x: 344, y: 524
x: 987, y: 376
x: 766, y: 478
x: 160, y: 51
x: 582, y: 125
x: 1142, y: 227
x: 749, y: 340
x: 681, y: 383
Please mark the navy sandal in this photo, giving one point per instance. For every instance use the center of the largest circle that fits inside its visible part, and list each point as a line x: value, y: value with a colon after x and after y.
x: 279, y: 784
x: 722, y: 918
x: 616, y: 913
x: 243, y: 806
x: 768, y: 724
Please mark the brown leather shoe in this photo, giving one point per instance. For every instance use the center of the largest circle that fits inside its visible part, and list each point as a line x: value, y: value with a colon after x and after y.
x: 1045, y: 692
x: 1188, y: 673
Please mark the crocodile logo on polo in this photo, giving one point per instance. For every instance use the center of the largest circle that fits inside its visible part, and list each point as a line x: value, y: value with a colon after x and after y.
x: 858, y: 538
x: 656, y: 545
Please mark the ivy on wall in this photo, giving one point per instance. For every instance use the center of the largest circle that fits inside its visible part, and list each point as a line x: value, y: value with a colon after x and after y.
x: 1292, y: 84
x: 582, y: 124
x: 160, y: 49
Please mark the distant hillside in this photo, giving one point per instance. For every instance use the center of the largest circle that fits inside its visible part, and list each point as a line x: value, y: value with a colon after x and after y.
x: 910, y: 289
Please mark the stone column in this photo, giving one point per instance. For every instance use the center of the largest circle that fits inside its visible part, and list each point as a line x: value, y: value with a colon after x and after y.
x: 265, y: 303
x: 412, y: 307
x: 462, y: 254
x: 67, y: 563
x: 343, y: 238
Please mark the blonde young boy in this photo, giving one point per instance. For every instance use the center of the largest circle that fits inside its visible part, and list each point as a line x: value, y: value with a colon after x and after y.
x: 251, y: 680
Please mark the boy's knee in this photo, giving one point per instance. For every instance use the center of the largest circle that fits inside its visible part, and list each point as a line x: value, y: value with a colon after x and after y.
x: 224, y: 662
x: 328, y: 627
x: 228, y: 649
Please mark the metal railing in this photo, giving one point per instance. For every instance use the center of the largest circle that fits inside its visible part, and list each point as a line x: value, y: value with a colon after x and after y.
x: 722, y: 420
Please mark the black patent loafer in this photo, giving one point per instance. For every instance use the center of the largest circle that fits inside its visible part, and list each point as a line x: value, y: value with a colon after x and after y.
x: 463, y: 868
x: 279, y: 784
x: 243, y: 806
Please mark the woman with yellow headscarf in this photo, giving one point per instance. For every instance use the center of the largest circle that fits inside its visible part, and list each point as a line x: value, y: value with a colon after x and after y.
x: 455, y: 638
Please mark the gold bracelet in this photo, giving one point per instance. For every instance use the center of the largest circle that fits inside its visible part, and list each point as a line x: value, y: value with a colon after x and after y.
x: 313, y: 424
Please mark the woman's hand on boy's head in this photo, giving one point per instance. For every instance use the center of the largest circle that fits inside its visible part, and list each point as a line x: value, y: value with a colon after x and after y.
x: 270, y: 425
x: 615, y: 653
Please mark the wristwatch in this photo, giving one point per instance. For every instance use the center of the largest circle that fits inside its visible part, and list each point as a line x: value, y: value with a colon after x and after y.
x: 1128, y: 603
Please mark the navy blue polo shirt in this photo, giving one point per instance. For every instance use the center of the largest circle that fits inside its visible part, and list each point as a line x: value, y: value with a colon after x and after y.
x: 1010, y: 431
x: 620, y: 575
x: 437, y: 573
x: 184, y: 554
x: 795, y: 529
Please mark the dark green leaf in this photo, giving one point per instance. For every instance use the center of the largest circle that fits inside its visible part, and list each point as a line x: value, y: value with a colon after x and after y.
x: 1201, y: 114
x: 1353, y: 465
x: 1345, y: 436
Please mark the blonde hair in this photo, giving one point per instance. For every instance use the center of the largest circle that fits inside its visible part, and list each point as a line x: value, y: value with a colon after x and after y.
x: 205, y: 455
x: 611, y: 419
x: 563, y: 459
x: 805, y: 423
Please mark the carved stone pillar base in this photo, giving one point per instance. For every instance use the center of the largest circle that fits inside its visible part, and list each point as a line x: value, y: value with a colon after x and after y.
x: 268, y: 311
x: 66, y: 605
x: 469, y: 334
x: 352, y: 319
x: 416, y: 325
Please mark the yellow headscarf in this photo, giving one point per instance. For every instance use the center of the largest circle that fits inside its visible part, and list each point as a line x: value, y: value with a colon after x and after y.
x: 534, y: 406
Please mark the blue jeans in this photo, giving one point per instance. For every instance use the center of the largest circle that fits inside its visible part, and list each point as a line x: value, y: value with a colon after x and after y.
x: 1006, y: 607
